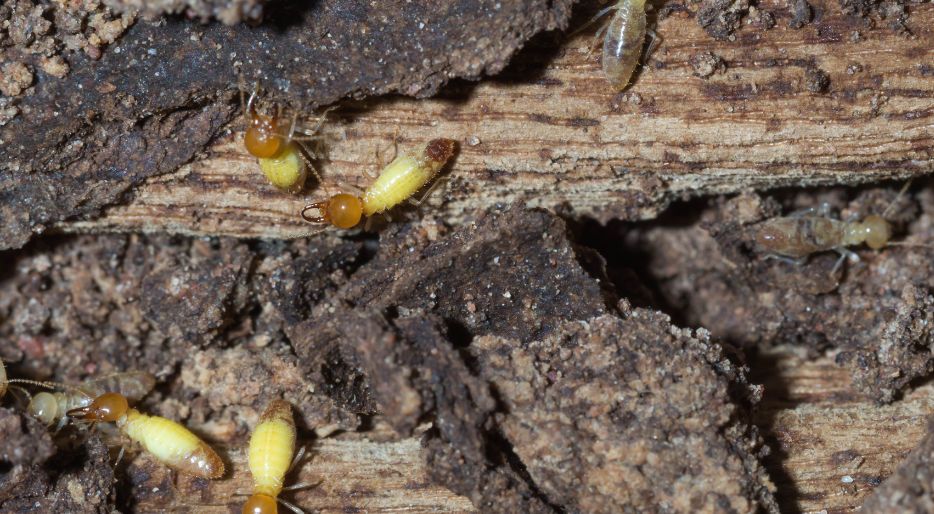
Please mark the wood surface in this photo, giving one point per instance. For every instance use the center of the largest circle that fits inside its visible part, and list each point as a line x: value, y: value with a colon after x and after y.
x: 550, y: 132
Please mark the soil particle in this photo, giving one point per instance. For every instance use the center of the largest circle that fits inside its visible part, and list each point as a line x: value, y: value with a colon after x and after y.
x: 604, y: 412
x: 910, y: 489
x: 163, y: 91
x: 706, y: 64
x: 873, y: 311
x: 816, y: 80
x: 14, y: 78
x: 720, y: 18
x: 801, y: 14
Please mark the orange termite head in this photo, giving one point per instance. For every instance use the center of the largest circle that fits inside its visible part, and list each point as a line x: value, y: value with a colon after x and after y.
x: 260, y: 504
x: 106, y: 407
x: 341, y: 210
x: 877, y: 231
x: 263, y: 138
x: 440, y: 150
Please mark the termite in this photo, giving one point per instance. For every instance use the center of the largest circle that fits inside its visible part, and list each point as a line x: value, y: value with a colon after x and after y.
x: 623, y: 39
x: 52, y: 407
x: 276, y: 145
x: 169, y: 442
x: 270, y: 457
x: 396, y: 183
x: 813, y: 231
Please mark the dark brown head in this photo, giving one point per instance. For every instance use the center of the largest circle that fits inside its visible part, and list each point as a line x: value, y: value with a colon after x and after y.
x: 341, y: 210
x: 440, y: 150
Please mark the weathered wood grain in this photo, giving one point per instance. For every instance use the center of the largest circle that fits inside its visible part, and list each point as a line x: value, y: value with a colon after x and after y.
x: 550, y: 132
x: 830, y: 445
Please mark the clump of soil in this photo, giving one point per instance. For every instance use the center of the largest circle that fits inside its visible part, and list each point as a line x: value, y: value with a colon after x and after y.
x: 37, y: 35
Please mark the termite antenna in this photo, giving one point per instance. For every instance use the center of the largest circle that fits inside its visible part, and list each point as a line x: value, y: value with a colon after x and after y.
x: 887, y: 211
x: 48, y: 385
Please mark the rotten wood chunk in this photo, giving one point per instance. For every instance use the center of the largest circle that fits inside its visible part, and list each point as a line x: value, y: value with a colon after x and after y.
x: 159, y: 94
x: 702, y: 262
x: 911, y: 488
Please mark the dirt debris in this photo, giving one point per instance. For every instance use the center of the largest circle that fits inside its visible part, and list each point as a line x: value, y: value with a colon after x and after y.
x: 227, y: 11
x: 705, y: 64
x: 721, y: 18
x: 81, y: 482
x: 911, y: 488
x: 801, y: 14
x: 712, y: 276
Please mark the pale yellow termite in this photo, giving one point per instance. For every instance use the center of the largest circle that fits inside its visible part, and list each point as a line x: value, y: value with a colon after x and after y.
x: 169, y: 442
x: 397, y: 182
x: 52, y: 407
x: 272, y: 446
x: 276, y: 146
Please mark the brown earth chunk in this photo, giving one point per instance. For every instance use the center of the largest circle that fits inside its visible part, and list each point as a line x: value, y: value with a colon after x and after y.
x: 607, y: 413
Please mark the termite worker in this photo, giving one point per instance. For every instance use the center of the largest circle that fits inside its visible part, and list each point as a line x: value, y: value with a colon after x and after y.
x: 397, y: 182
x: 276, y: 146
x: 272, y: 446
x: 813, y: 231
x: 171, y: 443
x: 623, y: 40
x: 52, y: 407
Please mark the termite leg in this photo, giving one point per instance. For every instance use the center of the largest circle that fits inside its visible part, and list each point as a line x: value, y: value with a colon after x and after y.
x: 299, y: 455
x: 294, y: 508
x: 654, y: 41
x: 787, y: 260
x: 395, y: 153
x: 593, y: 20
x: 418, y: 203
x: 347, y: 185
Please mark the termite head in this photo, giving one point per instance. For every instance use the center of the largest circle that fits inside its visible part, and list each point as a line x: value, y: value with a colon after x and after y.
x: 44, y: 406
x: 341, y: 210
x: 771, y: 237
x: 263, y: 138
x: 440, y: 150
x: 260, y: 504
x: 106, y: 407
x: 877, y: 231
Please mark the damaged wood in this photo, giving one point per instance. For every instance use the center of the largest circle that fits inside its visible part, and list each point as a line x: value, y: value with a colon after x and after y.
x: 550, y: 132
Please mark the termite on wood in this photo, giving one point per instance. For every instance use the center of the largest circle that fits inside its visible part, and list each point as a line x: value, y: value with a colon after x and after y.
x: 169, y: 442
x: 276, y: 145
x: 813, y: 231
x: 623, y: 40
x: 397, y: 182
x: 52, y: 407
x: 270, y: 457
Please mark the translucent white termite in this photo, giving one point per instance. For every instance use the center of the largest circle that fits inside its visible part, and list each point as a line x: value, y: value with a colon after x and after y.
x: 52, y: 407
x: 623, y: 39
